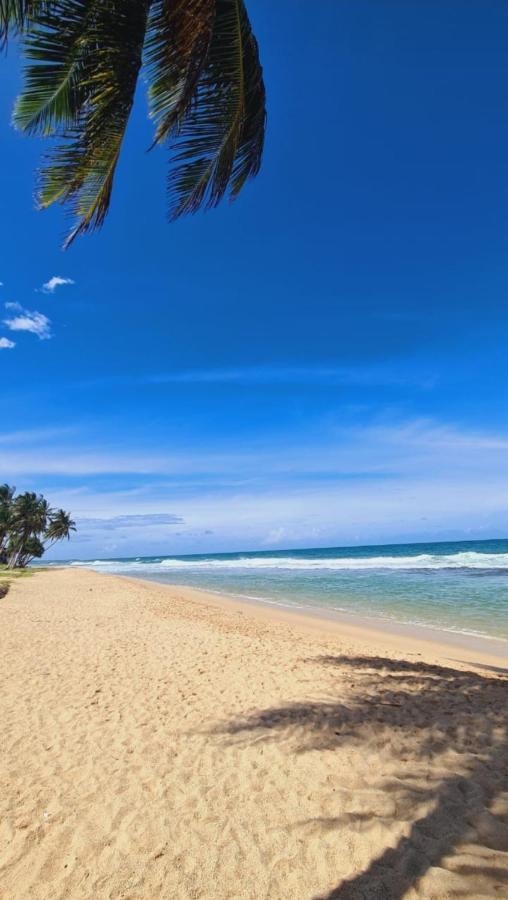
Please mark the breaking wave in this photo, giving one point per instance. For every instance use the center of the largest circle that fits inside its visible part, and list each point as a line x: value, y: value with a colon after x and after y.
x: 465, y: 560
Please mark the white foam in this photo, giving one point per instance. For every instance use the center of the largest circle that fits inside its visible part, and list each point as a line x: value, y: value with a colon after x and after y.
x: 424, y: 561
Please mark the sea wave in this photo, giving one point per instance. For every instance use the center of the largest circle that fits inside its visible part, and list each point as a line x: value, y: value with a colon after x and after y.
x: 465, y: 560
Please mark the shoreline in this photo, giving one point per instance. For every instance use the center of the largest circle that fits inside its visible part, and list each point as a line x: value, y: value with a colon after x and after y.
x: 487, y: 651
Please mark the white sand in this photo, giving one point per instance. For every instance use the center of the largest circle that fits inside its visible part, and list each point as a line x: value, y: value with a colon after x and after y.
x: 160, y: 743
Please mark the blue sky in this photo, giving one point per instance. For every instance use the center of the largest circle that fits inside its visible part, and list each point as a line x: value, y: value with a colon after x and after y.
x: 323, y: 361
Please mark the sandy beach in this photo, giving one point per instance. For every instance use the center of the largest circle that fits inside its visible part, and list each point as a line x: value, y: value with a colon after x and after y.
x: 158, y: 742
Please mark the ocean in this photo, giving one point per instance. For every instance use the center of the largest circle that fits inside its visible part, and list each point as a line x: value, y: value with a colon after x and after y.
x: 456, y: 587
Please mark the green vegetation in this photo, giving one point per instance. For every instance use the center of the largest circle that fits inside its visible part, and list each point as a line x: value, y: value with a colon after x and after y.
x: 84, y: 59
x: 28, y: 527
x: 9, y: 574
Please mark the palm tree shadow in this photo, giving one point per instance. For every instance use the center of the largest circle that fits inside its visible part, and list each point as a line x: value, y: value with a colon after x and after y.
x: 461, y: 803
x: 446, y: 709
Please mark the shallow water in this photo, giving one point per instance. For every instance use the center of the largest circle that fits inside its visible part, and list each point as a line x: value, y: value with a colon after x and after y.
x: 458, y: 586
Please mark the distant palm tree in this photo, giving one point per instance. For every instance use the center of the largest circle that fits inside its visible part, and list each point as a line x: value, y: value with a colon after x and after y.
x: 60, y: 527
x: 33, y: 548
x: 84, y: 59
x: 31, y: 522
x: 29, y: 518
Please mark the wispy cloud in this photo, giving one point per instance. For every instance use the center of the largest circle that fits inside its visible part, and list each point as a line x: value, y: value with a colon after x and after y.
x: 277, y: 374
x: 28, y: 320
x: 6, y: 344
x: 336, y: 514
x: 364, y: 451
x: 36, y: 436
x: 140, y: 520
x: 379, y: 481
x: 55, y: 281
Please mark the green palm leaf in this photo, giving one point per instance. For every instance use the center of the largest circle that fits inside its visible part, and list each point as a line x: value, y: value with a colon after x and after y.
x: 12, y: 15
x: 82, y: 169
x: 16, y: 14
x: 179, y: 36
x: 218, y: 141
x: 55, y: 82
x: 206, y: 95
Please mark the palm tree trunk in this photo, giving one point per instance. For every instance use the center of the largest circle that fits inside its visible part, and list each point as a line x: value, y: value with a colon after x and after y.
x: 13, y: 558
x: 17, y: 551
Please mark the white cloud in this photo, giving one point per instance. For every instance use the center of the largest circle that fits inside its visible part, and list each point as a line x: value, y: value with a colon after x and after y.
x: 30, y: 436
x: 28, y: 320
x: 6, y: 344
x: 390, y: 451
x: 139, y: 520
x: 54, y: 282
x: 416, y: 479
x: 310, y: 516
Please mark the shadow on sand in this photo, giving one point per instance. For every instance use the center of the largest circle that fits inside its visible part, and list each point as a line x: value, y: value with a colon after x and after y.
x: 430, y: 710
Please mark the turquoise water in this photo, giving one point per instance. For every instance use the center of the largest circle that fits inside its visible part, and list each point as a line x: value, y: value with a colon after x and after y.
x: 457, y: 586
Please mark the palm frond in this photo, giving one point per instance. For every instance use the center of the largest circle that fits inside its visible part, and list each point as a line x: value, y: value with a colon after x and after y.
x: 179, y: 35
x: 252, y: 133
x: 14, y: 15
x: 218, y: 139
x: 81, y: 169
x: 206, y: 95
x: 55, y: 82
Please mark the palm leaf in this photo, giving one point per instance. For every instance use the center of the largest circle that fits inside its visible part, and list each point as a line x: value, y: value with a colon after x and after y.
x: 55, y: 82
x: 218, y: 140
x: 12, y: 15
x: 179, y: 36
x: 82, y: 169
x: 206, y: 95
x: 252, y: 133
x: 15, y: 14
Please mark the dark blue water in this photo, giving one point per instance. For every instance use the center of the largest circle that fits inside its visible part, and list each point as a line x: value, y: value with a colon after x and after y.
x: 456, y: 586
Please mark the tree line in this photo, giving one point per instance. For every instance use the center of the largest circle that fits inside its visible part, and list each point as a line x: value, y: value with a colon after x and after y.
x: 29, y: 526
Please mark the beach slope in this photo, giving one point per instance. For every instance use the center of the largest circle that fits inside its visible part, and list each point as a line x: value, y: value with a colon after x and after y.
x: 161, y: 743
